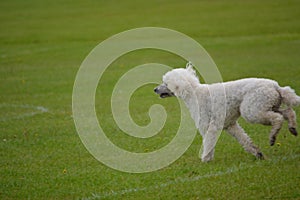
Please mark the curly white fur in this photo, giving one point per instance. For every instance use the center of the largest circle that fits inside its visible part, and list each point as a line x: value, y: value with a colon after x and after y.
x: 217, y: 107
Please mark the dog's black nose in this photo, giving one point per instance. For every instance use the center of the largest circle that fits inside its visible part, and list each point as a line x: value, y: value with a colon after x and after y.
x: 155, y: 89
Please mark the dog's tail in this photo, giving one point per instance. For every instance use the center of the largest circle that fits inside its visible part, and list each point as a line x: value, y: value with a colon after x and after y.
x: 289, y: 96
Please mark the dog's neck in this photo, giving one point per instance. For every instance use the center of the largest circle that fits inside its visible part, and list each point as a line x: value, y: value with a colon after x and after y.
x: 196, y: 97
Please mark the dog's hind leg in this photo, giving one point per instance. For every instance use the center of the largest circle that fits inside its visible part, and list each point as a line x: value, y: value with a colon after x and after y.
x: 238, y: 132
x: 266, y: 116
x: 260, y: 107
x: 271, y: 118
x: 290, y: 115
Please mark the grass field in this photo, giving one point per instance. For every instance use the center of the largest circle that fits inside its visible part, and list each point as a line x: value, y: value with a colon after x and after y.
x: 43, y: 43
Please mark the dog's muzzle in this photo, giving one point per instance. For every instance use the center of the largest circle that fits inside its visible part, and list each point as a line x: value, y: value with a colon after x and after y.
x: 163, y: 91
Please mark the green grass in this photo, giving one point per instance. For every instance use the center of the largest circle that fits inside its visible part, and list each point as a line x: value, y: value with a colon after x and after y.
x: 42, y: 44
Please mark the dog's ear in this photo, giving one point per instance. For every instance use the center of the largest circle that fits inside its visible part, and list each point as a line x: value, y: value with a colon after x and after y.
x: 189, y: 67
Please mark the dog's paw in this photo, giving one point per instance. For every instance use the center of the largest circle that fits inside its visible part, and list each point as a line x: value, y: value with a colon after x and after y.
x: 206, y: 159
x: 260, y: 156
x: 293, y: 131
x: 272, y: 141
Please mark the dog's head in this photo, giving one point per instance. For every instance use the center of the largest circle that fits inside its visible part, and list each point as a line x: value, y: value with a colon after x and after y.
x: 178, y: 82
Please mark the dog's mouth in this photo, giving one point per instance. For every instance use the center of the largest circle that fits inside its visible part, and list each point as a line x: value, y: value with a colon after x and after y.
x: 164, y: 95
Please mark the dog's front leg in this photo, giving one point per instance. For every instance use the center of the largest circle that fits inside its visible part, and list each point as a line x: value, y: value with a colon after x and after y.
x: 208, y: 144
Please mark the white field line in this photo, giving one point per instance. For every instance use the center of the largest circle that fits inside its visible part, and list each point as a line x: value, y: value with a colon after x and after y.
x: 36, y: 110
x: 179, y: 180
x: 162, y: 185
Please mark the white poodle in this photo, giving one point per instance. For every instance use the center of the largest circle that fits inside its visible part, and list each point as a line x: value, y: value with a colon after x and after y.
x: 217, y: 107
